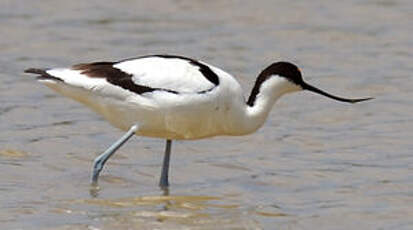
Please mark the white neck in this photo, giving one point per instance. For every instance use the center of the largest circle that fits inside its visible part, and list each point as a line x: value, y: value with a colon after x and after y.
x: 270, y: 91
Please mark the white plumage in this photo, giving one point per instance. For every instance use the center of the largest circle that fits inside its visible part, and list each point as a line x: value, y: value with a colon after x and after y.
x: 159, y: 113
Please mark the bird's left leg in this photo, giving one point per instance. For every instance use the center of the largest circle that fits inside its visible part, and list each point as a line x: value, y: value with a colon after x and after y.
x: 101, y: 159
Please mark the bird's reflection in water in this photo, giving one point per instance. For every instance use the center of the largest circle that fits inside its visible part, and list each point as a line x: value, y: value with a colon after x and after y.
x: 167, y: 204
x: 94, y: 190
x: 166, y: 209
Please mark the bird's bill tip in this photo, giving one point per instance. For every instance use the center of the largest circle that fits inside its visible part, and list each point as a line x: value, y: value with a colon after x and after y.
x: 361, y: 99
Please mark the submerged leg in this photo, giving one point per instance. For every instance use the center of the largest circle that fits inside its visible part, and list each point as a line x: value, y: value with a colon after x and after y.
x: 101, y: 159
x: 163, y: 182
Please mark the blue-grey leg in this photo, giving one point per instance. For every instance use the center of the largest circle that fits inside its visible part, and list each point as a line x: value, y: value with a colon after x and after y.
x: 163, y: 182
x: 101, y: 159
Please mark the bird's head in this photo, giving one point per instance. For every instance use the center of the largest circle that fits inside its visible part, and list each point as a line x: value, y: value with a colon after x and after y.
x: 294, y: 81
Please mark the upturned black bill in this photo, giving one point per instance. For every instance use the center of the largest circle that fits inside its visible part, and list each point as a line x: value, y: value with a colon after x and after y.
x: 319, y: 91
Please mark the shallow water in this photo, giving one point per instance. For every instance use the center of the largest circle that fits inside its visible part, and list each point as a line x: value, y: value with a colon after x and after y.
x: 316, y: 163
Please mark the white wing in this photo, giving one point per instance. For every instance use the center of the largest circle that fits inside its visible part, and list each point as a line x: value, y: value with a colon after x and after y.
x: 147, y: 74
x: 172, y: 73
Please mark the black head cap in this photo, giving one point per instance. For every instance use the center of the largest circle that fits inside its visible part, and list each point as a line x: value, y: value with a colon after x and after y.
x: 283, y: 69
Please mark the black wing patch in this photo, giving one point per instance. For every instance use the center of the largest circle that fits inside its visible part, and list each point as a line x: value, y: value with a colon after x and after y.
x: 115, y: 76
x: 124, y: 80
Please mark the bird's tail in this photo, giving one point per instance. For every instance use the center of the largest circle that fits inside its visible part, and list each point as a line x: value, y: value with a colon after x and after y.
x: 43, y: 75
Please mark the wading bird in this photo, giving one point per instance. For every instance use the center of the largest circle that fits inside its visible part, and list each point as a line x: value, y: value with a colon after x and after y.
x: 173, y: 97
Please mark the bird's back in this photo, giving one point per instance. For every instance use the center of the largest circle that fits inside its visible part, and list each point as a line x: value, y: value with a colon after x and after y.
x: 167, y: 96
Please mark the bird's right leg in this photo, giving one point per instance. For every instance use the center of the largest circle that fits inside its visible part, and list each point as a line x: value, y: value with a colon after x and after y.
x: 101, y: 159
x: 164, y: 182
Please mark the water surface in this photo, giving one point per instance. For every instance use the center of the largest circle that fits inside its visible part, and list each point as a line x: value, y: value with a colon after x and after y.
x: 316, y: 163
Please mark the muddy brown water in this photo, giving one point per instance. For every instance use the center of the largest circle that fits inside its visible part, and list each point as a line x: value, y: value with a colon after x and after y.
x: 316, y: 163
